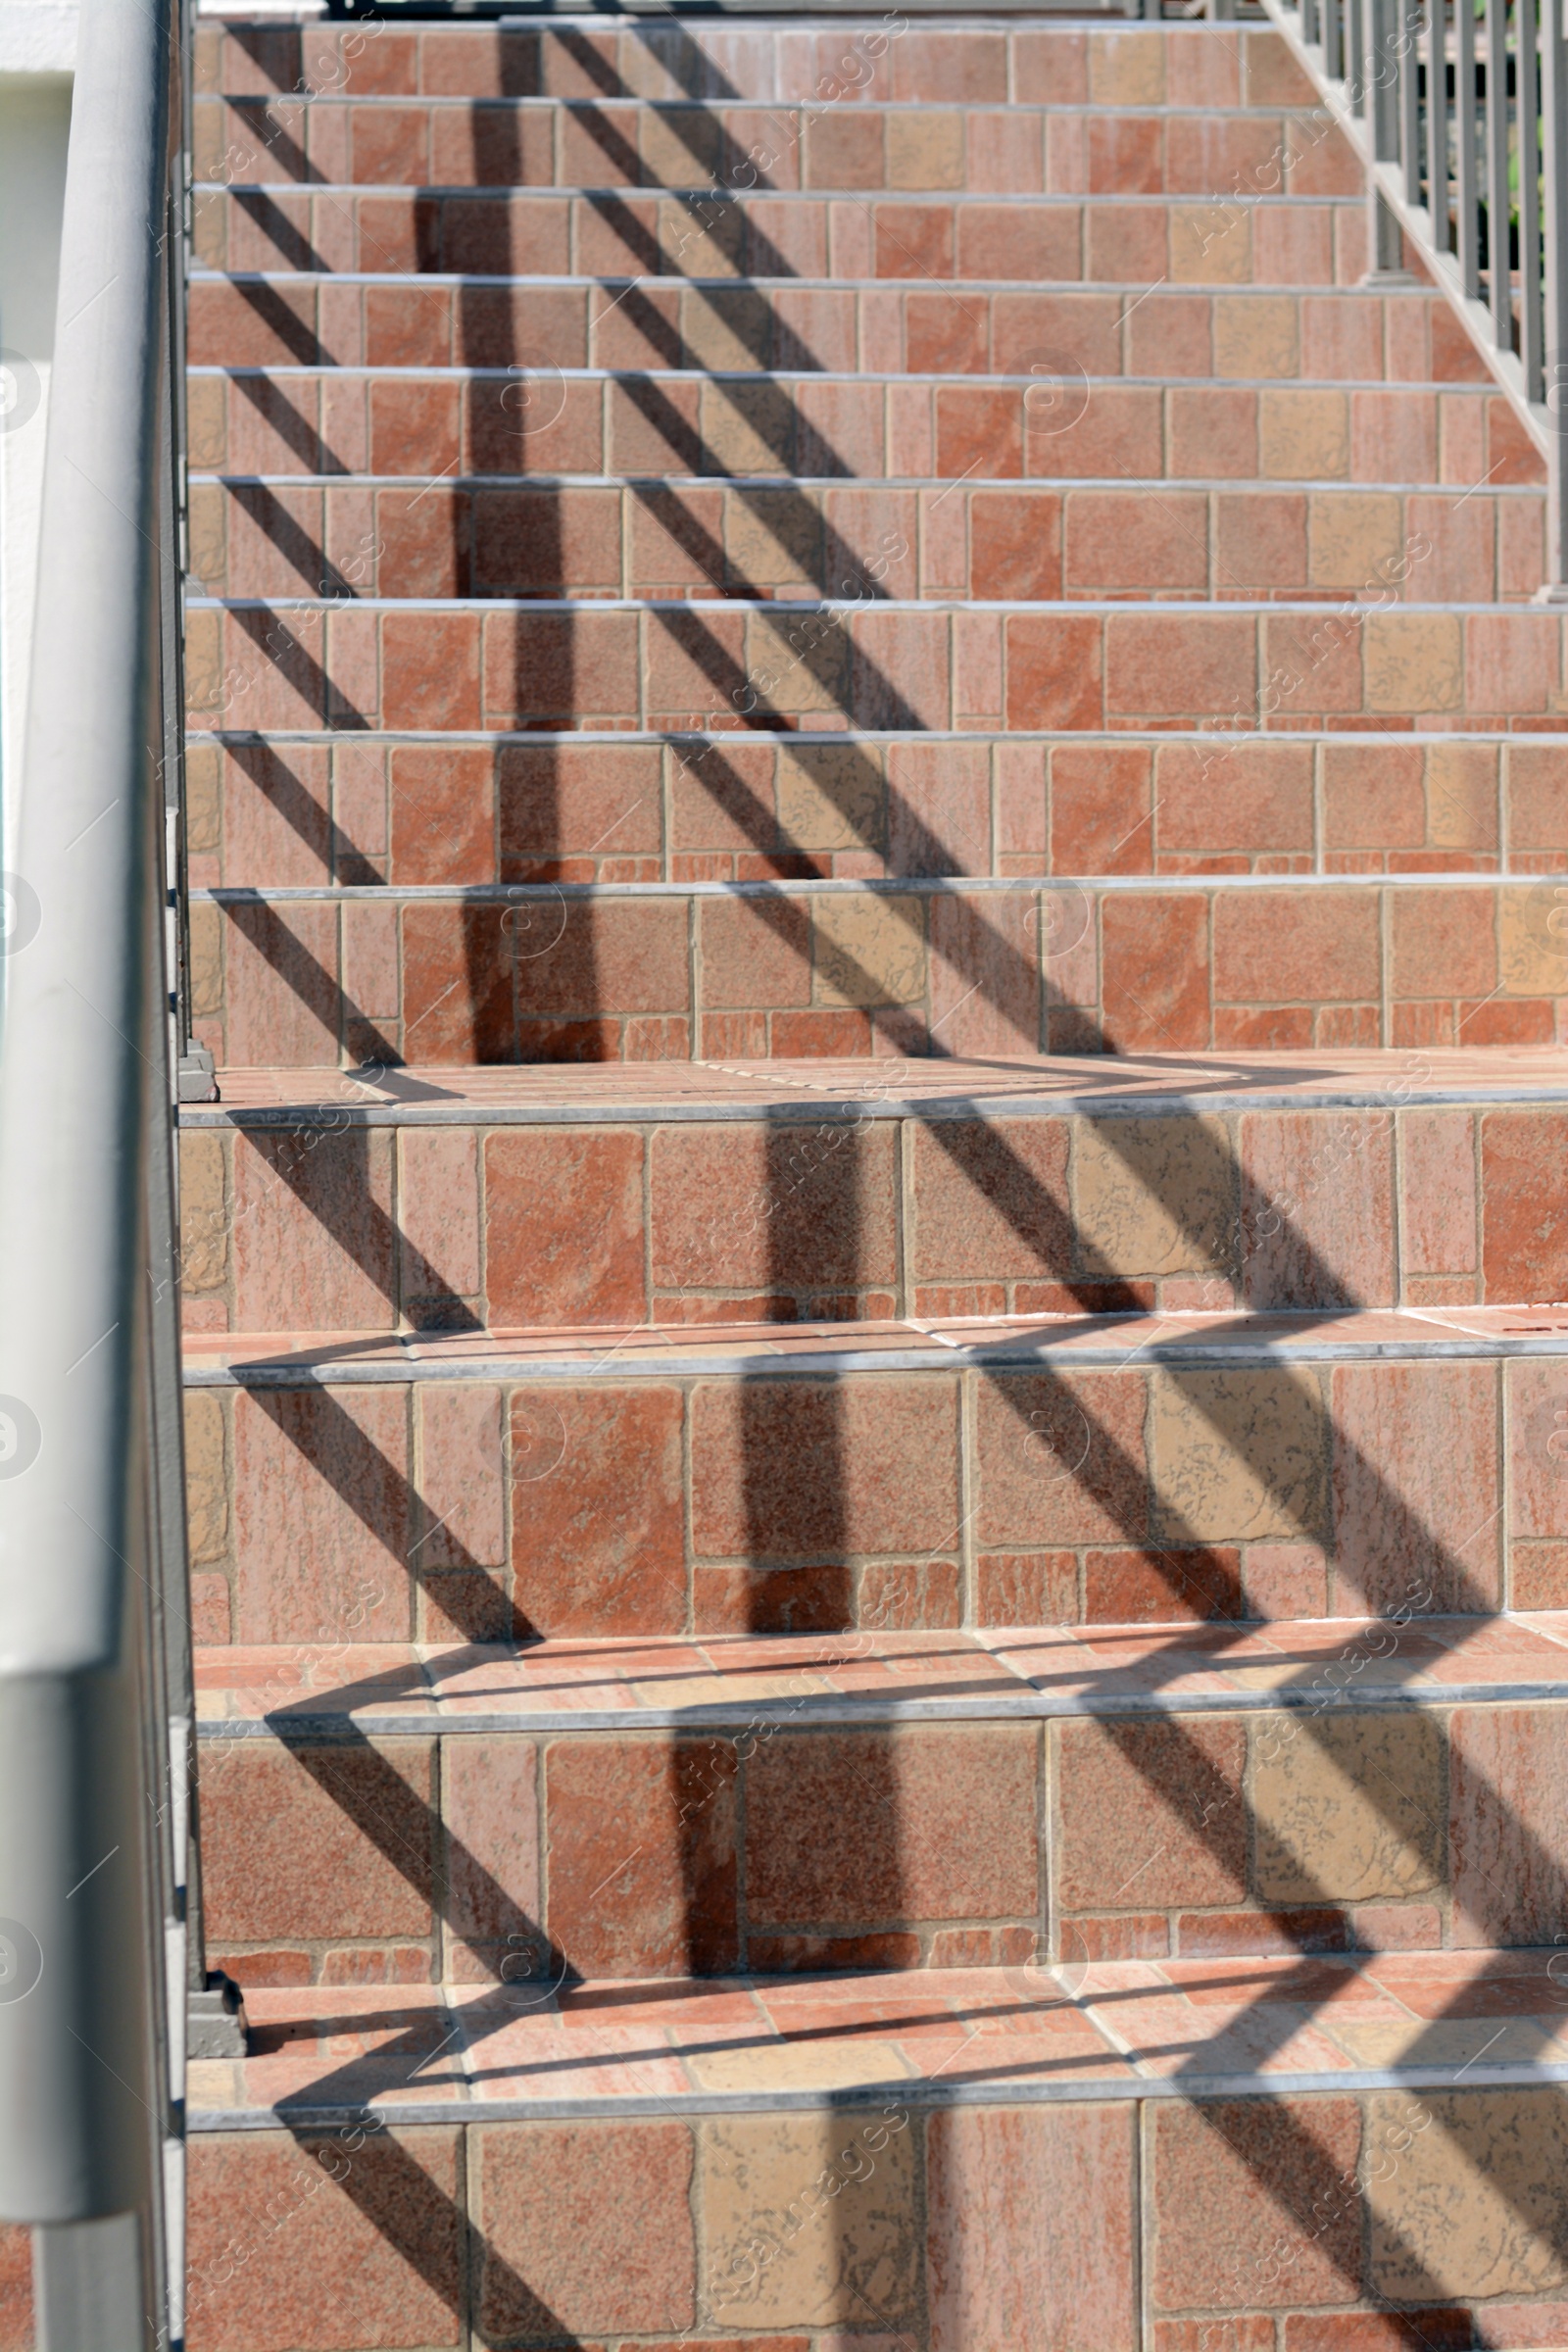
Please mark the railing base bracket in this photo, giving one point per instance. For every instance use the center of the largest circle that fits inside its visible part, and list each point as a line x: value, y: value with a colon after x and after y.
x: 215, y: 2019
x: 198, y: 1076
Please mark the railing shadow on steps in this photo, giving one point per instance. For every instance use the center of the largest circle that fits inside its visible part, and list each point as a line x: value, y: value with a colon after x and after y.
x: 1301, y: 2172
x: 101, y: 1967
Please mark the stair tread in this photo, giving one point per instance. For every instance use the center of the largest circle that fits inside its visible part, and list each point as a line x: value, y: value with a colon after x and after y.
x: 1088, y: 2029
x: 675, y: 1351
x: 573, y: 1682
x: 522, y: 1093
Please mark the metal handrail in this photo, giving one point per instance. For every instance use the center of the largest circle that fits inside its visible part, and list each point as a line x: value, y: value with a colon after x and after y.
x: 1459, y: 108
x: 95, y: 1696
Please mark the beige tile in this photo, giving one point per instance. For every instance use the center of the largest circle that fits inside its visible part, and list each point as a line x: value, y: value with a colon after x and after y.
x: 1127, y: 69
x: 1304, y: 436
x: 1236, y: 1454
x: 748, y: 428
x: 1210, y: 245
x: 206, y: 1481
x: 1255, y: 335
x: 1350, y: 534
x: 202, y: 1219
x: 925, y: 151
x: 1153, y: 1195
x: 1411, y: 661
x: 870, y: 951
x: 1346, y: 1807
x: 1474, y: 2194
x: 794, y: 2234
x: 831, y: 796
x: 1533, y: 937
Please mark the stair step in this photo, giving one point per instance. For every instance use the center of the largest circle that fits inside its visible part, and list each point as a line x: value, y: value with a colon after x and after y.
x: 593, y: 1808
x: 383, y: 319
x: 643, y: 1480
x: 293, y: 808
x: 976, y: 63
x: 998, y: 666
x: 865, y: 144
x: 685, y: 536
x: 647, y: 2162
x: 701, y: 1194
x: 719, y: 971
x: 287, y: 423
x: 694, y: 234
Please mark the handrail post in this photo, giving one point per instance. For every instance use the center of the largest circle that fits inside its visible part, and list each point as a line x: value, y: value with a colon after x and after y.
x: 1385, y: 245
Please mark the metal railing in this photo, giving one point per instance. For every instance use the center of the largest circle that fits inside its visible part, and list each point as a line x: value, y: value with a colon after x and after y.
x: 99, y: 1932
x: 1459, y: 108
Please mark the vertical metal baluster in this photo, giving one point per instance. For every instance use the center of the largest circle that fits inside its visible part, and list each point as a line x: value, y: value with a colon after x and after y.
x: 1499, y: 260
x: 1467, y: 190
x: 1330, y: 39
x: 1309, y: 23
x: 1554, y: 116
x: 1385, y: 247
x: 1531, y: 336
x: 1410, y: 103
x: 1438, y: 119
x: 1354, y: 50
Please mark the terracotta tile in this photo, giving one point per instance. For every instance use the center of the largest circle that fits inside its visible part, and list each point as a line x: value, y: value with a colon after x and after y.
x: 1317, y: 1209
x: 1504, y: 1827
x: 1156, y: 984
x: 795, y: 1468
x: 595, y: 1550
x: 1272, y: 946
x: 555, y: 2204
x: 321, y: 1841
x: 1002, y: 2264
x: 1524, y: 1236
x: 461, y: 1478
x: 1260, y: 2171
x: 1060, y: 1460
x: 1416, y: 1483
x: 988, y: 1200
x: 783, y: 1208
x: 1253, y: 797
x: 321, y: 1513
x: 1437, y: 1167
x: 1015, y: 545
x: 456, y: 983
x: 872, y: 1826
x: 369, y: 2253
x: 564, y: 1237
x: 1150, y: 1813
x: 488, y: 1812
x: 640, y: 1854
x: 1053, y: 672
x: 1173, y: 664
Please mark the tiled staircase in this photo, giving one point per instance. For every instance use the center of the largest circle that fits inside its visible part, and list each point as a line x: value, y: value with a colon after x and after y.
x: 872, y: 1681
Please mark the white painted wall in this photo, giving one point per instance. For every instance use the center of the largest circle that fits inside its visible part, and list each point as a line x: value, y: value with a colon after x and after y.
x: 37, y: 52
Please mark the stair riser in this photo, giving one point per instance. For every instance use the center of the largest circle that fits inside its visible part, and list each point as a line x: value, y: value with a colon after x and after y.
x: 1012, y: 150
x: 311, y: 322
x: 965, y: 65
x: 1020, y: 971
x: 708, y: 665
x: 866, y: 1217
x: 451, y: 1510
x: 302, y: 425
x: 817, y: 2222
x: 1270, y: 241
x: 659, y: 541
x: 588, y: 810
x: 935, y: 1845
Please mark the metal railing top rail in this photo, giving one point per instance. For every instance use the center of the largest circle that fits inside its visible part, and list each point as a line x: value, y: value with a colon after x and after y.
x: 91, y: 1878
x: 1459, y: 110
